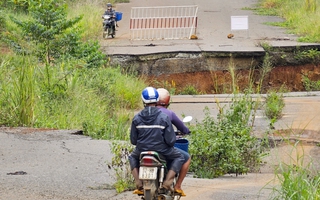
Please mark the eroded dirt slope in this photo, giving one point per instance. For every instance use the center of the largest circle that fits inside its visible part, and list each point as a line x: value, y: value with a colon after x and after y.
x: 290, y: 78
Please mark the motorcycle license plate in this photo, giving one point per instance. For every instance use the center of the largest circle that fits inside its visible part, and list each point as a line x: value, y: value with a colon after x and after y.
x: 148, y: 173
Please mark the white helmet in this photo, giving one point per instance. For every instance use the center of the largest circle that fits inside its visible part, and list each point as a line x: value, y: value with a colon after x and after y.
x: 164, y: 97
x: 150, y: 95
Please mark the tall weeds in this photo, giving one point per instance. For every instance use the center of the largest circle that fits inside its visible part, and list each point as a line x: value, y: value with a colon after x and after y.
x: 77, y: 91
x: 17, y: 92
x: 297, y: 177
x: 98, y: 101
x: 91, y: 22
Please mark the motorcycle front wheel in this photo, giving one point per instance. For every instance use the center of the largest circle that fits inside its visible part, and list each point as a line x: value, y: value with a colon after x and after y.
x: 110, y: 32
x: 104, y: 35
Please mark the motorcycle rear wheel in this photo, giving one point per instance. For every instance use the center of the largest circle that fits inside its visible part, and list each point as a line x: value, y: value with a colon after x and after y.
x: 147, y: 195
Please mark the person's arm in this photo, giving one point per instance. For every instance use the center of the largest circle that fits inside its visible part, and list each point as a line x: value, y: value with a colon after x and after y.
x: 179, y: 124
x: 113, y: 13
x: 133, y: 134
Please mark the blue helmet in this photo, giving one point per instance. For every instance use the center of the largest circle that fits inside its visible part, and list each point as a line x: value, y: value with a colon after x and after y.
x: 150, y: 95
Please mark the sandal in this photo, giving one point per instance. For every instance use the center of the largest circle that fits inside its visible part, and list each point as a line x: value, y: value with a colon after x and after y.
x: 138, y: 191
x: 180, y: 192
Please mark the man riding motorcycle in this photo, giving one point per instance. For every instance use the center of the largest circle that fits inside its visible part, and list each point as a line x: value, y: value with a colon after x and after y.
x: 112, y: 14
x: 163, y: 104
x: 152, y: 130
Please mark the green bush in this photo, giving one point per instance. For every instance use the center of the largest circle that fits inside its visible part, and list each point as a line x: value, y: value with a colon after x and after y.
x: 310, y: 85
x: 274, y: 105
x: 311, y: 55
x: 189, y: 90
x: 225, y: 145
x: 120, y: 165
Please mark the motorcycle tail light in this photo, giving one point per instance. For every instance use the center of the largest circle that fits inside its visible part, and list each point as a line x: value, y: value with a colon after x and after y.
x: 149, y: 161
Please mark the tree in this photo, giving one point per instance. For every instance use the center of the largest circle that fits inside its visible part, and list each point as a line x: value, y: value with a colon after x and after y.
x: 52, y: 36
x: 51, y: 33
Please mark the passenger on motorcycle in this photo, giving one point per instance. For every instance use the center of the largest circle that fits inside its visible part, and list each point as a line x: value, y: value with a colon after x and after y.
x: 163, y: 104
x: 152, y: 130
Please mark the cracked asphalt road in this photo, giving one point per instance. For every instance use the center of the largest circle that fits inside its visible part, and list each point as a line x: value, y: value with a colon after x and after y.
x: 59, y: 165
x: 62, y: 165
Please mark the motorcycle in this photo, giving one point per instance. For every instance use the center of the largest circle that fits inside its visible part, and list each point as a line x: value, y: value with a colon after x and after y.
x: 109, y: 28
x: 152, y: 172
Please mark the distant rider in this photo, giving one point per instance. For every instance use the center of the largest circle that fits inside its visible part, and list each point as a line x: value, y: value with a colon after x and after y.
x: 112, y: 13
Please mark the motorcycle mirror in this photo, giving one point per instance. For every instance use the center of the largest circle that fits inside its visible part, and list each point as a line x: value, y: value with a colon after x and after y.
x: 187, y: 119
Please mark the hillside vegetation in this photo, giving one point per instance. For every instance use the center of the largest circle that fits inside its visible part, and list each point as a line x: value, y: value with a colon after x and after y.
x: 53, y: 74
x: 301, y: 17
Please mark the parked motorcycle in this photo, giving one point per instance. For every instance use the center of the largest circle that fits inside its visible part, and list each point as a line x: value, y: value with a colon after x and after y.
x: 109, y: 27
x: 152, y: 172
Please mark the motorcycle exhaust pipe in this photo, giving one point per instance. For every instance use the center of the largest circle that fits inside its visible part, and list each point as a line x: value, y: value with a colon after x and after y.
x: 161, y: 177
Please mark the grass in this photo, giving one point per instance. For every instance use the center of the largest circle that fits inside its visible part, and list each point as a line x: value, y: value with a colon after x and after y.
x: 300, y: 17
x: 92, y: 22
x: 310, y: 85
x: 66, y: 95
x: 296, y: 175
x: 98, y: 101
x: 274, y: 105
x: 17, y: 92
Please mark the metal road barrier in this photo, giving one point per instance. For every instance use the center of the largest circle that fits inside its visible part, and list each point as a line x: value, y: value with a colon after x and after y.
x: 164, y: 22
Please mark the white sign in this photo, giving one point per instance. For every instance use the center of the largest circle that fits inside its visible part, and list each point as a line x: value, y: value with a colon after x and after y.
x: 239, y: 23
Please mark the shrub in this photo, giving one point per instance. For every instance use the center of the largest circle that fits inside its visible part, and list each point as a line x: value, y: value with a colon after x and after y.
x: 274, y: 105
x: 189, y: 90
x: 225, y: 145
x: 310, y: 85
x: 120, y: 165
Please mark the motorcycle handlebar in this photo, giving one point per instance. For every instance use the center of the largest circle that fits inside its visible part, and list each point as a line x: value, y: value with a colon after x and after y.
x: 179, y: 133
